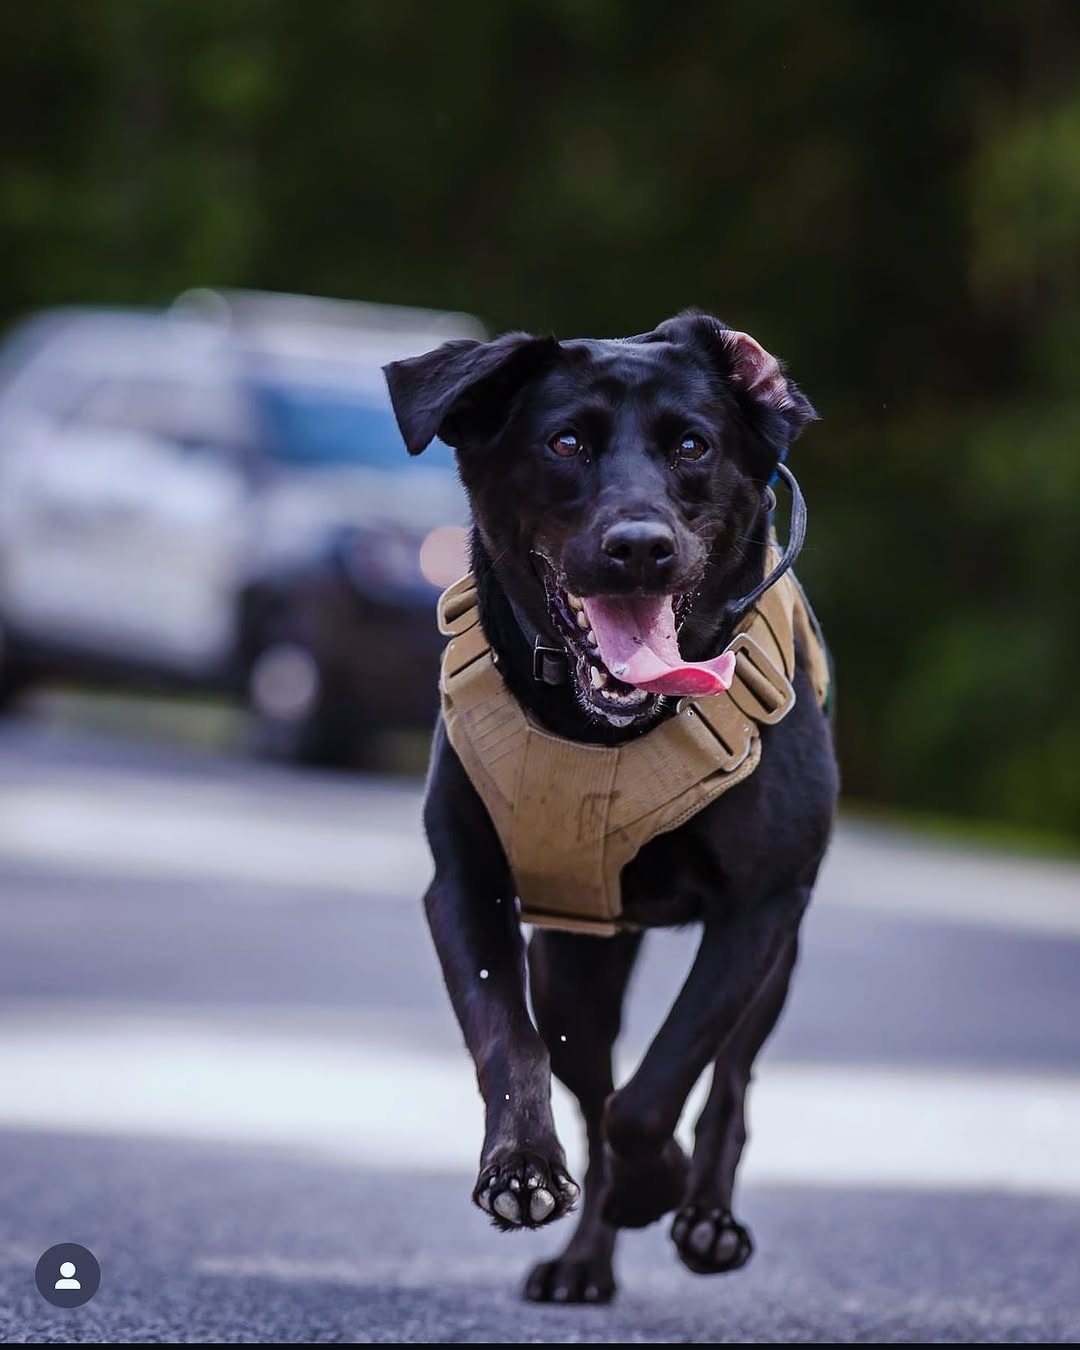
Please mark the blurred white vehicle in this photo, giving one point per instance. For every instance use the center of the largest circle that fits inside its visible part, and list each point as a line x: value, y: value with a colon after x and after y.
x: 216, y: 495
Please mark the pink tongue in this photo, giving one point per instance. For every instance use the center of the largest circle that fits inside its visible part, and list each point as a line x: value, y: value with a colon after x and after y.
x: 637, y: 641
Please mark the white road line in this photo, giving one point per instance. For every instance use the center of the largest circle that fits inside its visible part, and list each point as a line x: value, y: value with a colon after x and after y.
x: 315, y: 835
x: 137, y: 835
x: 899, y: 873
x: 398, y: 1108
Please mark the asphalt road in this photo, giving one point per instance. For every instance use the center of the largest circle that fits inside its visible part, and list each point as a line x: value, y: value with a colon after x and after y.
x: 231, y: 1072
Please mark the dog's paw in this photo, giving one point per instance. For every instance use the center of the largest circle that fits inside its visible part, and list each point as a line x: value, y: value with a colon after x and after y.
x: 641, y: 1190
x: 523, y: 1190
x: 567, y: 1281
x: 710, y: 1241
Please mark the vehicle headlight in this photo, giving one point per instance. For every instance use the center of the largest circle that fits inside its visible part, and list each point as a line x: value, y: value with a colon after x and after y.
x: 444, y: 555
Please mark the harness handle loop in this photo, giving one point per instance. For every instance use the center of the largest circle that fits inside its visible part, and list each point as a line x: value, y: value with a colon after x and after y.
x: 735, y: 609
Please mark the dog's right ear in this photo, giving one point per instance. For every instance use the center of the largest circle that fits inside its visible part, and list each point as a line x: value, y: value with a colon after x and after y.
x: 461, y: 390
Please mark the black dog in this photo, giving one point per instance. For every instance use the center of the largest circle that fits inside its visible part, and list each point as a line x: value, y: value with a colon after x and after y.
x: 620, y: 472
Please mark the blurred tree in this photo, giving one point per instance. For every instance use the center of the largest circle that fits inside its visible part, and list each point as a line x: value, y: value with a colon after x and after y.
x: 888, y: 196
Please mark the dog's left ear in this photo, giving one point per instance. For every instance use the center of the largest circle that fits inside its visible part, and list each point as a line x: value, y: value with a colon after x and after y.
x: 462, y: 390
x: 780, y: 405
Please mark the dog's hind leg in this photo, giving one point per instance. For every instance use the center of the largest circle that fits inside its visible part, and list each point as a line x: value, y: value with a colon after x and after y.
x: 708, y: 1238
x: 577, y: 986
x: 737, y: 954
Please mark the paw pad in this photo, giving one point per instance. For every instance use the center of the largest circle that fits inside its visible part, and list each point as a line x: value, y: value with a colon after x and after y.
x: 567, y: 1281
x: 524, y: 1192
x: 711, y: 1241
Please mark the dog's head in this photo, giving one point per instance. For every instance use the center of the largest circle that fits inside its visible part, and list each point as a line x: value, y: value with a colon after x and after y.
x: 612, y: 482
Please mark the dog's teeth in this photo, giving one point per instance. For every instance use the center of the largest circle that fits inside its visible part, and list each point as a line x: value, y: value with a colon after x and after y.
x: 582, y: 621
x: 598, y: 678
x: 590, y: 638
x: 575, y: 600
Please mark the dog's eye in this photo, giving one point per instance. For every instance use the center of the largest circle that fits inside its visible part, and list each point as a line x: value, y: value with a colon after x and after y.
x: 565, y: 444
x: 691, y: 447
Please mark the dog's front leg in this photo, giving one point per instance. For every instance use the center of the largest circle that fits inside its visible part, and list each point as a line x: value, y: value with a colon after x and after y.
x: 737, y: 953
x: 471, y: 912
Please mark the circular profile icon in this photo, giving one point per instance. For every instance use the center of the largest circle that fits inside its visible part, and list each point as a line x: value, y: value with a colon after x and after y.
x: 67, y: 1275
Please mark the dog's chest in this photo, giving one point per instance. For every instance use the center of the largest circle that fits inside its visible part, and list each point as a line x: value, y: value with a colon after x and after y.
x: 677, y: 878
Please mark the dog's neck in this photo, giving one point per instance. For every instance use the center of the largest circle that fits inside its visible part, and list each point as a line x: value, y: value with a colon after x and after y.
x: 705, y: 633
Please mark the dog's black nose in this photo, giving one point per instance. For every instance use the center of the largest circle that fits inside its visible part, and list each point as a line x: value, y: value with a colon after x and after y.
x: 642, y: 550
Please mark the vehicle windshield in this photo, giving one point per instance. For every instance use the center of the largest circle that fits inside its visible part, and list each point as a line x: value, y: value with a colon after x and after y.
x: 317, y: 426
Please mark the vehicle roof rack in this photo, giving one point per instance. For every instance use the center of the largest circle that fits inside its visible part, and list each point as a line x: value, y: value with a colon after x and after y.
x: 254, y: 310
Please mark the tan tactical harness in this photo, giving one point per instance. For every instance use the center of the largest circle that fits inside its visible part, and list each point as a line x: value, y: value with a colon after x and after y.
x: 570, y: 816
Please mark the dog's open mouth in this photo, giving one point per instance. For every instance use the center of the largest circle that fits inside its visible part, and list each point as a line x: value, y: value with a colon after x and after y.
x: 625, y: 651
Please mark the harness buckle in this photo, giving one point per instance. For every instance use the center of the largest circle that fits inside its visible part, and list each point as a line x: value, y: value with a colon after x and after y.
x: 549, y: 664
x: 769, y: 694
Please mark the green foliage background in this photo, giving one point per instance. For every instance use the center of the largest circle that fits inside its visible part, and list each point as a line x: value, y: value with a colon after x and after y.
x: 886, y: 195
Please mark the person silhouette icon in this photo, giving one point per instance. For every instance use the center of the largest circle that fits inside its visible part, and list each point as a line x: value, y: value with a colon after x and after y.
x: 67, y: 1271
x: 70, y: 1290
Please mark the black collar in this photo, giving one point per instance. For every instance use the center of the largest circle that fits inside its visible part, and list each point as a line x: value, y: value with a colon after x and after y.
x: 550, y: 665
